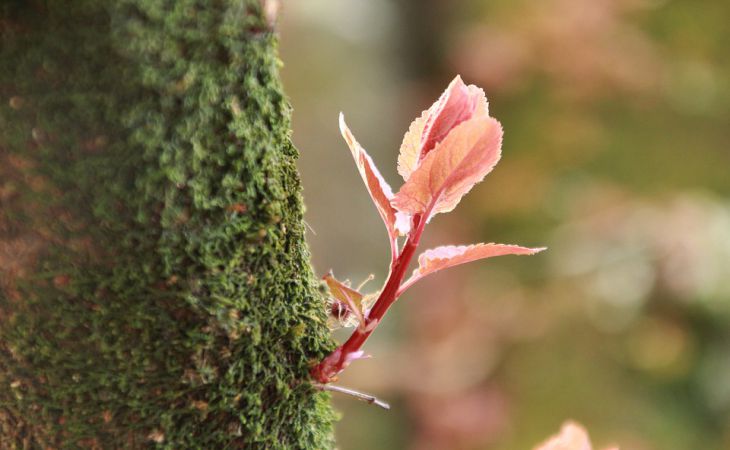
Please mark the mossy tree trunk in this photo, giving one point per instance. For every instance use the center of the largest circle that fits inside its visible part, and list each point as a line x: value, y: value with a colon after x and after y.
x: 155, y: 287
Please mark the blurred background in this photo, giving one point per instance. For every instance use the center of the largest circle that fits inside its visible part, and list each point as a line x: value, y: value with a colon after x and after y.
x: 616, y: 156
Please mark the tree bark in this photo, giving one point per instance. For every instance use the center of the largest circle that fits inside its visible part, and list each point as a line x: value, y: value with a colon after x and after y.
x: 155, y: 286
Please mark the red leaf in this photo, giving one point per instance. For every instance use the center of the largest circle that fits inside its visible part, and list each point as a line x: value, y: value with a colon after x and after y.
x: 457, y: 104
x: 396, y: 222
x: 461, y: 160
x: 447, y: 256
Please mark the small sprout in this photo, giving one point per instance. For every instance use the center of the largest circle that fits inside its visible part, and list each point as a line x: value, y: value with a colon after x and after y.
x: 450, y: 148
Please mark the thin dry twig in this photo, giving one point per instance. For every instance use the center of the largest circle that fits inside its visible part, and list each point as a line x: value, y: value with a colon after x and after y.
x: 351, y: 392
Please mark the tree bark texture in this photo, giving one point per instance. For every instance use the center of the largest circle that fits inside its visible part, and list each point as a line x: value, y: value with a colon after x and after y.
x: 155, y: 286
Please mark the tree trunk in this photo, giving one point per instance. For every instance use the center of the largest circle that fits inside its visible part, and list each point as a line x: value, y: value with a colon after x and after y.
x: 155, y: 286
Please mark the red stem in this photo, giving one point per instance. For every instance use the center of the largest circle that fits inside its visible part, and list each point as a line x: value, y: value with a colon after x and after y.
x: 335, y: 362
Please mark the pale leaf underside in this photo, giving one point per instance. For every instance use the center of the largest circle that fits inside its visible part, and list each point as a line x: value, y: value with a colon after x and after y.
x: 410, y: 148
x: 379, y: 190
x: 446, y: 256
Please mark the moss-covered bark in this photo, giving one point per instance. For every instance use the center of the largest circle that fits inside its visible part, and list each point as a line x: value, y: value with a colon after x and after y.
x: 155, y: 287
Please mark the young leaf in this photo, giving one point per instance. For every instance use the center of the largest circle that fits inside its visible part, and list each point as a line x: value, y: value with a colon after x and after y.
x: 572, y: 436
x: 345, y: 294
x: 410, y: 148
x: 326, y: 371
x: 461, y: 160
x: 396, y: 222
x: 456, y: 104
x: 447, y: 256
x: 460, y: 103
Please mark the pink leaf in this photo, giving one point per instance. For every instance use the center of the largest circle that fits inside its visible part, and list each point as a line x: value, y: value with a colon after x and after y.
x: 457, y: 104
x: 326, y: 371
x: 461, y: 160
x: 354, y: 356
x: 396, y: 222
x: 447, y: 256
x: 572, y: 436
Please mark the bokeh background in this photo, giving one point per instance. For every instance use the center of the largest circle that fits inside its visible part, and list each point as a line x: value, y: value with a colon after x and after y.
x: 616, y: 156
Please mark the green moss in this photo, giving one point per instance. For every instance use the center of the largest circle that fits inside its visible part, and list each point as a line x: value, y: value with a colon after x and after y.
x: 169, y: 294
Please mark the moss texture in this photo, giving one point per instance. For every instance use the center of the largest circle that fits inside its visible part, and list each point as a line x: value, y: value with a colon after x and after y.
x: 155, y: 287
